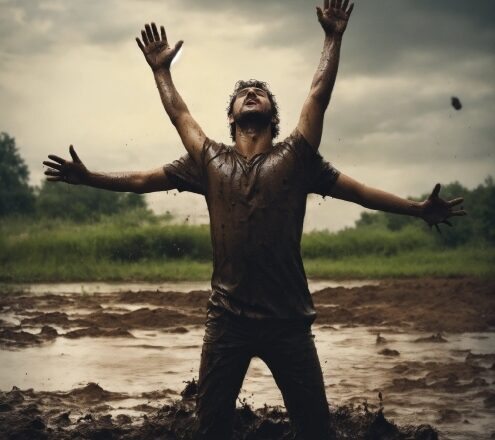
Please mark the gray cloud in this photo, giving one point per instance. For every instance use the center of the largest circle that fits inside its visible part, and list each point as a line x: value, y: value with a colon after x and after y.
x: 28, y: 27
x: 382, y: 34
x: 390, y: 114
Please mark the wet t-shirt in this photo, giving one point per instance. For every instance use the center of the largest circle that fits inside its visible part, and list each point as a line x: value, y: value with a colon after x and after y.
x: 257, y: 209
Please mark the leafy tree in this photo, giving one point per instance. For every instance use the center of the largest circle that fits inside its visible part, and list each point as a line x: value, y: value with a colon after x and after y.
x: 16, y: 196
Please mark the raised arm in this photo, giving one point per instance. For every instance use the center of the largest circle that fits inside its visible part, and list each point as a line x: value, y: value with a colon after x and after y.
x: 433, y: 210
x: 159, y: 56
x: 333, y: 19
x: 75, y: 173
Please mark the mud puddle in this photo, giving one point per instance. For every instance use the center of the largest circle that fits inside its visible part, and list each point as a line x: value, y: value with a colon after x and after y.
x: 143, y: 346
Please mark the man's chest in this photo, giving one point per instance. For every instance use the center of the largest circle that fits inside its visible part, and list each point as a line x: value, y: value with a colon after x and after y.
x: 264, y: 178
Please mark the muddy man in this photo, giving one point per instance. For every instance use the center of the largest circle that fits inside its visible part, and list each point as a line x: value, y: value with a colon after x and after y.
x: 256, y: 194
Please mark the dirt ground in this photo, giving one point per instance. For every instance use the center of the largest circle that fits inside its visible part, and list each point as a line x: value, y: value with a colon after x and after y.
x: 435, y: 306
x: 27, y: 415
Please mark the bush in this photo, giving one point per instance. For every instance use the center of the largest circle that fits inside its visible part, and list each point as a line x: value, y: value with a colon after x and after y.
x: 82, y: 203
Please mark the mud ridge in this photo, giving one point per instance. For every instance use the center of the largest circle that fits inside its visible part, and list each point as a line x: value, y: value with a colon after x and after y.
x: 29, y: 415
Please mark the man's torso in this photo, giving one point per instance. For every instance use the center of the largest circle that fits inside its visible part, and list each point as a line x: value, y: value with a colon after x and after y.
x: 256, y: 212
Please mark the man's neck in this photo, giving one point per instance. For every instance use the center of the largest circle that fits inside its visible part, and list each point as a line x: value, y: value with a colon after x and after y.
x: 250, y: 141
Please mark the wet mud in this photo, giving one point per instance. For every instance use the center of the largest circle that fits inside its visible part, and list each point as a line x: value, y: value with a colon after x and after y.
x: 82, y: 414
x: 395, y: 325
x: 431, y: 305
x: 435, y: 305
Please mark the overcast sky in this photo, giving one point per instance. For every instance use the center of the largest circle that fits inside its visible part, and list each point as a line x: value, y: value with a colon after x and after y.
x: 71, y: 72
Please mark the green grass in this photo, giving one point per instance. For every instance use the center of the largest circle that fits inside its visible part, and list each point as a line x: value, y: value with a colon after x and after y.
x: 103, y: 270
x: 143, y: 247
x: 448, y: 263
x: 432, y: 263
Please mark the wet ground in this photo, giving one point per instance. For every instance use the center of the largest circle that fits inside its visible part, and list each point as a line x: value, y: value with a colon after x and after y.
x: 426, y: 346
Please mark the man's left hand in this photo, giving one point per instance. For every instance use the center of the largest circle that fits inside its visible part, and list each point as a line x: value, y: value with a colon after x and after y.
x: 436, y: 210
x: 334, y: 16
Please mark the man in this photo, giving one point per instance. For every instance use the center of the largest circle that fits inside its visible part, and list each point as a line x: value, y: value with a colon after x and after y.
x: 256, y: 195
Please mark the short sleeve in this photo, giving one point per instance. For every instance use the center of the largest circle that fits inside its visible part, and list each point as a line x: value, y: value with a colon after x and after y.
x: 323, y: 178
x: 319, y: 175
x: 303, y: 150
x: 211, y: 150
x: 185, y: 175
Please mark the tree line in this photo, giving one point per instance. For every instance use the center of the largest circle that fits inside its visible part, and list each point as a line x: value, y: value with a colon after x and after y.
x: 81, y: 203
x: 54, y: 200
x: 478, y: 226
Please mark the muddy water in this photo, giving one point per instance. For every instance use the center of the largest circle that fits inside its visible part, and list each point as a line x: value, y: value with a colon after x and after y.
x: 446, y: 381
x: 182, y: 286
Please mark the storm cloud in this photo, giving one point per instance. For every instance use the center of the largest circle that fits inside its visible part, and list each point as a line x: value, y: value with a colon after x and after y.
x: 71, y: 73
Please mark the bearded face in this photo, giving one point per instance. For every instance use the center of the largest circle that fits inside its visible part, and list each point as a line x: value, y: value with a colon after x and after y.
x: 251, y: 106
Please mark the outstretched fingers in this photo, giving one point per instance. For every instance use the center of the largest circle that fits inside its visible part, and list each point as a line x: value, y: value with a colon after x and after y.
x: 52, y: 173
x: 74, y: 155
x: 178, y: 46
x: 435, y: 191
x: 149, y: 33
x: 141, y: 46
x: 145, y: 38
x: 53, y: 165
x: 456, y: 201
x: 155, y: 32
x: 460, y: 212
x: 56, y: 159
x: 342, y: 5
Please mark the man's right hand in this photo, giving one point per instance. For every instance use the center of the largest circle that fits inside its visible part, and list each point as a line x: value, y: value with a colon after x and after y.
x: 61, y: 170
x: 156, y: 50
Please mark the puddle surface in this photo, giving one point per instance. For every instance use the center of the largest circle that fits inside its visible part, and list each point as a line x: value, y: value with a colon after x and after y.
x: 446, y: 384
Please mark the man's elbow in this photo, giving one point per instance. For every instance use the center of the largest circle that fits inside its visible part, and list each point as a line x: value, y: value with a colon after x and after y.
x: 140, y: 186
x: 352, y: 191
x: 319, y: 97
x: 361, y: 195
x: 179, y: 119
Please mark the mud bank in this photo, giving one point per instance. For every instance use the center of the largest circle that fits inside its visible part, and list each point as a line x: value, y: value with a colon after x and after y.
x: 432, y: 305
x: 83, y: 414
x: 427, y: 345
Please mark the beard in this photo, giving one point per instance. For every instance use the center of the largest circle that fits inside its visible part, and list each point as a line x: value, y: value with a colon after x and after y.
x: 257, y: 118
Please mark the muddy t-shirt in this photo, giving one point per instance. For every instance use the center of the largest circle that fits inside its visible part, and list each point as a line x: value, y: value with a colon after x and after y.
x: 257, y: 209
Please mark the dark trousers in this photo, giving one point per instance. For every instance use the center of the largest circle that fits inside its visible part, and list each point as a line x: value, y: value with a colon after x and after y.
x: 287, y: 348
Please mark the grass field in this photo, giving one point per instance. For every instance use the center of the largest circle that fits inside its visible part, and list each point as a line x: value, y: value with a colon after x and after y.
x: 130, y: 248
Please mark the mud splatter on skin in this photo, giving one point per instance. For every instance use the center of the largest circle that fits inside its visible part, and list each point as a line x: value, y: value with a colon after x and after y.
x: 82, y: 413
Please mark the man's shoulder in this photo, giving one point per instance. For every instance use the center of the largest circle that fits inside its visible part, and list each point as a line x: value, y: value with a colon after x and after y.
x: 294, y: 140
x: 213, y: 150
x: 214, y: 145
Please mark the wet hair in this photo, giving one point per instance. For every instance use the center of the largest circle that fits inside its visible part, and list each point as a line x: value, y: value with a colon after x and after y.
x: 239, y: 85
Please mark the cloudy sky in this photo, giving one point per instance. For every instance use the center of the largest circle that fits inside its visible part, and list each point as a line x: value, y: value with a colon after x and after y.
x: 71, y: 72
